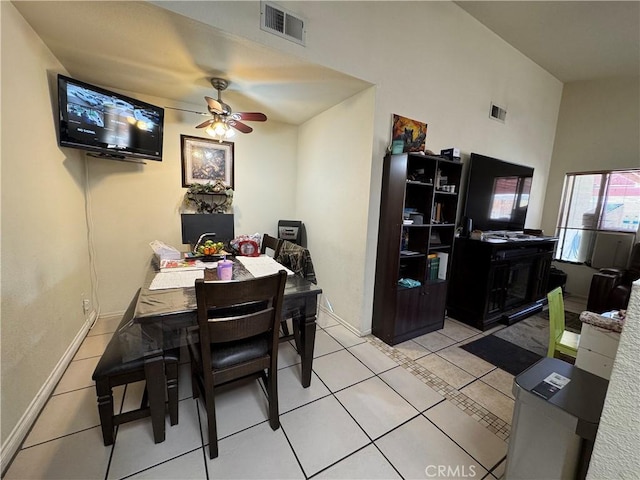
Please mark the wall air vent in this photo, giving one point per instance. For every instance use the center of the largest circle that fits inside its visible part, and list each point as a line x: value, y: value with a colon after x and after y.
x: 277, y: 20
x: 498, y: 113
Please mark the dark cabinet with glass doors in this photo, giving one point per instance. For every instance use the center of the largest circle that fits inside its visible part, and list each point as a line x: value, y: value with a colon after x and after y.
x: 499, y: 282
x: 418, y: 208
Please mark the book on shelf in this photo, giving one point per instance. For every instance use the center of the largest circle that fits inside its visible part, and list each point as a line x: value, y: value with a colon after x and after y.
x: 444, y: 261
x: 436, y: 213
x: 433, y: 266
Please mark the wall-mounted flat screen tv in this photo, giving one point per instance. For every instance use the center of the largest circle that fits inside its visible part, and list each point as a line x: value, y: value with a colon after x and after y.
x: 108, y: 124
x: 497, y: 194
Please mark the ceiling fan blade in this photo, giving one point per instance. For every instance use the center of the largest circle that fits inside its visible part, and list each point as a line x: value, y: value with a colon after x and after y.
x: 206, y: 123
x: 240, y: 126
x: 189, y: 111
x: 214, y: 105
x: 250, y: 116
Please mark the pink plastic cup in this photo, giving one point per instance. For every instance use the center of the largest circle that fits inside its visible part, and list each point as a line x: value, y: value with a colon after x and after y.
x: 225, y: 269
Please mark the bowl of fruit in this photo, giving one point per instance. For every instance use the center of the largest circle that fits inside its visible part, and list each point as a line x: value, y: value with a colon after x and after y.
x: 209, y: 251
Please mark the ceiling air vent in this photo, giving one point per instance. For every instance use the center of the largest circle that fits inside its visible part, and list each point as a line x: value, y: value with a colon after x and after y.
x: 281, y: 22
x: 497, y: 113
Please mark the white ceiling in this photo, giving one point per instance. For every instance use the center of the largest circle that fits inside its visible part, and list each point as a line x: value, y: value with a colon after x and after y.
x: 572, y: 40
x: 173, y: 57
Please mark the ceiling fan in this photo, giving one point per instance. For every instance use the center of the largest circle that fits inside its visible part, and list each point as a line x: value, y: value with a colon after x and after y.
x: 223, y: 120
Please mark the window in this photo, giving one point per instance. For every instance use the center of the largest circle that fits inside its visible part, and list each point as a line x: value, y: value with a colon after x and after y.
x: 594, y: 202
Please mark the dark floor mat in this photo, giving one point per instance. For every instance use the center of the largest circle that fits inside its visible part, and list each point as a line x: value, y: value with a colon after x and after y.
x: 505, y: 355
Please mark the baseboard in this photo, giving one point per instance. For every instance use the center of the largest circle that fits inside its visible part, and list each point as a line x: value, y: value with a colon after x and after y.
x: 22, y: 428
x: 342, y: 322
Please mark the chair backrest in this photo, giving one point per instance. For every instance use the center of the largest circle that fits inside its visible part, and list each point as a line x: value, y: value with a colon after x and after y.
x: 273, y: 243
x: 234, y: 310
x: 556, y: 314
x: 297, y: 259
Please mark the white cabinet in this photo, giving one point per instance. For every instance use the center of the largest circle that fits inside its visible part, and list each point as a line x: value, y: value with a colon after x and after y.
x: 597, y: 350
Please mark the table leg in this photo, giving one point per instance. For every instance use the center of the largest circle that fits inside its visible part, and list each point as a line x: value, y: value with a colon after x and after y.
x: 156, y: 381
x: 308, y: 339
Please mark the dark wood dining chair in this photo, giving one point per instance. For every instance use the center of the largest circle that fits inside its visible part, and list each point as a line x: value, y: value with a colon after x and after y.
x: 112, y: 371
x: 275, y: 244
x: 297, y: 259
x: 238, y: 337
x: 271, y: 243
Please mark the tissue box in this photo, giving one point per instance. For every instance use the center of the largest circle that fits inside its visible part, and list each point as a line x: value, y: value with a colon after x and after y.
x: 164, y: 251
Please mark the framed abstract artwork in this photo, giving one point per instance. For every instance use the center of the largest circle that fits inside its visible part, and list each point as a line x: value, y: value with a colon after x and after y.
x: 206, y: 160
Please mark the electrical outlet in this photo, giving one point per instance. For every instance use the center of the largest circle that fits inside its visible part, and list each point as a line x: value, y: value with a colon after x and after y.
x: 86, y: 304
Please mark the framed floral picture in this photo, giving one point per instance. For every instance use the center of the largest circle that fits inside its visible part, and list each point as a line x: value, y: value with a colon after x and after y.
x: 206, y: 160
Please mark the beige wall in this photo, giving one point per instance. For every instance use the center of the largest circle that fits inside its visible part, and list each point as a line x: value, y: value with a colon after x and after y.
x: 45, y: 269
x: 429, y: 61
x: 334, y: 172
x: 598, y: 129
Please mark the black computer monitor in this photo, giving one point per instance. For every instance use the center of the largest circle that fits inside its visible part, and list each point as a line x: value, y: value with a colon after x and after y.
x: 195, y: 224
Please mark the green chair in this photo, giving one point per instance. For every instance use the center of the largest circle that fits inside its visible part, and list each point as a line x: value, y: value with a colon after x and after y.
x: 560, y: 340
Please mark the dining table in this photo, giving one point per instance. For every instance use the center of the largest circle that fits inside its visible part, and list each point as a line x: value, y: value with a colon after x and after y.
x: 165, y: 314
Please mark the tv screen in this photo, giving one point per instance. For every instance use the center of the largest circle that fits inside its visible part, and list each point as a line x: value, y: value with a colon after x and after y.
x: 106, y: 123
x: 497, y: 194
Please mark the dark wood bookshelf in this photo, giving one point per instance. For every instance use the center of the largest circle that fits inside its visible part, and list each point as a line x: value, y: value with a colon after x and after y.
x: 411, y: 184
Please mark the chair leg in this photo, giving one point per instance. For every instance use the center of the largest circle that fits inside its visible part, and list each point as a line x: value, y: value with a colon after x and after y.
x: 296, y: 335
x: 172, y: 391
x: 194, y: 380
x: 211, y: 424
x: 551, y: 350
x: 145, y: 397
x: 105, y: 409
x: 272, y: 389
x: 295, y: 324
x: 285, y: 328
x: 265, y: 380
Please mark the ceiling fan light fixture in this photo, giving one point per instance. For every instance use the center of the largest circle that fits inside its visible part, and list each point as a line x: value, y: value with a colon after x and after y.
x: 220, y: 129
x: 224, y: 122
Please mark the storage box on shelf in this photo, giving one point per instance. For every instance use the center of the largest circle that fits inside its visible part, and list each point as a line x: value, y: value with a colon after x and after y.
x: 415, y: 241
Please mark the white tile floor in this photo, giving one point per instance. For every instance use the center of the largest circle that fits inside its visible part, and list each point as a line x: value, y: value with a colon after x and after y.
x: 365, y: 415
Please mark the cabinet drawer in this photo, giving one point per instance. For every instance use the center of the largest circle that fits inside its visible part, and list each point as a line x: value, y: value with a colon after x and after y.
x: 596, y: 340
x: 594, y: 362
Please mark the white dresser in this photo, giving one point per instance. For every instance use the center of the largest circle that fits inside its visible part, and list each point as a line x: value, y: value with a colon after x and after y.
x: 599, y: 339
